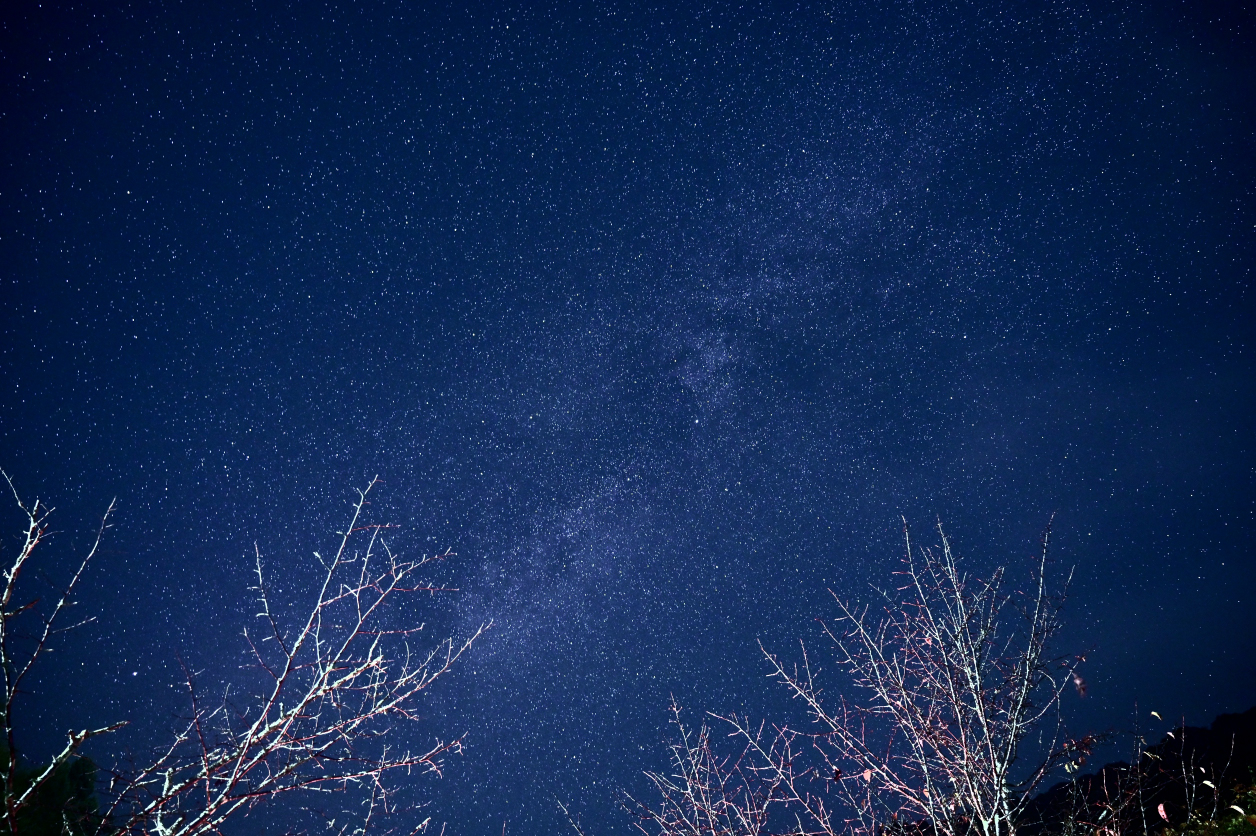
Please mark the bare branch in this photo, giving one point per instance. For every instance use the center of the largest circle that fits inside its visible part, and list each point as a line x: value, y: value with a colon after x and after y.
x: 15, y: 667
x: 335, y: 686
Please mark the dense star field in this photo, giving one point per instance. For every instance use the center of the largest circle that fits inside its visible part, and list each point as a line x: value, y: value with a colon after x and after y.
x: 659, y: 317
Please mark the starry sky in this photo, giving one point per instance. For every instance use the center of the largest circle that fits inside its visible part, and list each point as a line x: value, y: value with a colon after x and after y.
x: 659, y: 316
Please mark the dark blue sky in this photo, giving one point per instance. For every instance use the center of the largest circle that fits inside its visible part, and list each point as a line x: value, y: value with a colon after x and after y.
x: 659, y: 317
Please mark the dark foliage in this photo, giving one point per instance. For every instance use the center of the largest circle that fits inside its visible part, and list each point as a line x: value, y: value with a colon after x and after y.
x: 1192, y: 775
x: 63, y: 804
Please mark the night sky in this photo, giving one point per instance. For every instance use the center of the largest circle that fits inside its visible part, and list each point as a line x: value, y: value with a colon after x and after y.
x: 658, y: 316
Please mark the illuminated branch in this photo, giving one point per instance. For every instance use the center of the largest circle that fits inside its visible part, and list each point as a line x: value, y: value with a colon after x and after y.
x: 710, y: 795
x: 333, y: 690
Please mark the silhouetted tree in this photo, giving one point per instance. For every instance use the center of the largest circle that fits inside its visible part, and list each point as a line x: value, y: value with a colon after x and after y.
x: 1195, y: 780
x: 64, y: 803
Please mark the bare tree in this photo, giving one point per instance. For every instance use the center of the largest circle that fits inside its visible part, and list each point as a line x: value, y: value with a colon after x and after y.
x: 956, y: 676
x: 335, y: 687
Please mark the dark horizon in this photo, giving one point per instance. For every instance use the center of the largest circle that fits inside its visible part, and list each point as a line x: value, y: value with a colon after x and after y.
x: 659, y: 317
